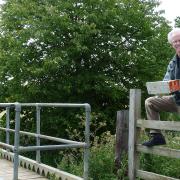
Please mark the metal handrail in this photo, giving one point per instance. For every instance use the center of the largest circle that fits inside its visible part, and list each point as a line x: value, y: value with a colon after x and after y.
x: 16, y: 148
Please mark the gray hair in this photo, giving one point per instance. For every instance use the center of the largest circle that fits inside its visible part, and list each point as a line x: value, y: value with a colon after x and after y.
x: 172, y: 33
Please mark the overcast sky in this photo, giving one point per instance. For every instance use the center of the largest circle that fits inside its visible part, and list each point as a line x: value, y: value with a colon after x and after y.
x: 171, y: 7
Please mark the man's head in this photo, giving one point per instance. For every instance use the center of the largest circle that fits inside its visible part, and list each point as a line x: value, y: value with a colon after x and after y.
x: 174, y: 39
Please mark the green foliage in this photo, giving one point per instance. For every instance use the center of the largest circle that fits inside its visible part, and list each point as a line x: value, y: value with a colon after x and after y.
x: 177, y: 21
x: 163, y: 165
x: 101, y: 160
x: 80, y: 51
x: 72, y: 163
x: 122, y: 173
x: 90, y: 51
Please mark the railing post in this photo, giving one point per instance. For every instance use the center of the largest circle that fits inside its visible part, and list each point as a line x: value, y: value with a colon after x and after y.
x: 87, y: 141
x: 121, y: 136
x: 38, y: 131
x: 16, y: 140
x: 7, y: 124
x: 134, y: 114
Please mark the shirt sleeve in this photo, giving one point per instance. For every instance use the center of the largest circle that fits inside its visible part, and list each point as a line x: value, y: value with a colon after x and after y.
x: 167, y: 76
x: 170, y: 72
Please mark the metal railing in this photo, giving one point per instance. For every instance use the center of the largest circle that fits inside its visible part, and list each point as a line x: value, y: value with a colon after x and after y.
x: 17, y: 149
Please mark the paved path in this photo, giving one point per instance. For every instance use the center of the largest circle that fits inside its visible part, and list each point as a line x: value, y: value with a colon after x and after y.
x: 6, y: 172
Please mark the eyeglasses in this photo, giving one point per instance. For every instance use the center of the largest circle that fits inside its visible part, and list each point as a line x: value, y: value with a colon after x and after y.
x: 176, y: 42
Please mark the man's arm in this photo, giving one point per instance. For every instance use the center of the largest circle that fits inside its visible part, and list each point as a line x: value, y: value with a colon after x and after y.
x: 170, y: 72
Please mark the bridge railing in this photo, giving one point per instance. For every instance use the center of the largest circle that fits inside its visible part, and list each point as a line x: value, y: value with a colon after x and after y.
x: 135, y: 123
x: 17, y: 149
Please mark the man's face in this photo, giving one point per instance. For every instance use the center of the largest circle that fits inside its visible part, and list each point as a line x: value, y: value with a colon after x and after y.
x: 176, y: 42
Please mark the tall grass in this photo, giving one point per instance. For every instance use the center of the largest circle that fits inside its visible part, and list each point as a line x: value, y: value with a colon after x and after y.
x: 101, y: 164
x: 102, y: 160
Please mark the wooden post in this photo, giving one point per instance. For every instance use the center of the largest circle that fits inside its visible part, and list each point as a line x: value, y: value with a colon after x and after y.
x: 134, y: 114
x: 121, y: 136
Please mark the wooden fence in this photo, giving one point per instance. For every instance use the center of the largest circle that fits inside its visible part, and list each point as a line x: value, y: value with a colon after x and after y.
x: 121, y: 147
x: 134, y: 148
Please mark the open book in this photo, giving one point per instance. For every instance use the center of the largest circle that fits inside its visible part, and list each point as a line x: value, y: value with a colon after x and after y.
x: 163, y: 87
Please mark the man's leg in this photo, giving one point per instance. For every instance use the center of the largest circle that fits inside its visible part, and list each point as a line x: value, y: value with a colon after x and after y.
x: 155, y: 105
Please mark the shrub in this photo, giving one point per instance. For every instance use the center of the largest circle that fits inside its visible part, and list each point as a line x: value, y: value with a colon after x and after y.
x: 101, y: 163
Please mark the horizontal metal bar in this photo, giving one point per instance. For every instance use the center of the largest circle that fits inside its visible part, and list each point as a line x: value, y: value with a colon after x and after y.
x: 46, y: 104
x: 59, y: 139
x: 7, y: 104
x: 7, y: 146
x: 162, y: 151
x: 42, y: 136
x: 50, y: 147
x: 163, y: 125
x: 21, y: 132
x: 54, y: 104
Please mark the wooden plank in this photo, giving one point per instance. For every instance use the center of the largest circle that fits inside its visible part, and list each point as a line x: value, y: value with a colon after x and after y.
x: 158, y: 150
x: 162, y: 125
x: 121, y: 145
x: 163, y: 87
x: 152, y: 176
x: 134, y: 114
x: 158, y: 87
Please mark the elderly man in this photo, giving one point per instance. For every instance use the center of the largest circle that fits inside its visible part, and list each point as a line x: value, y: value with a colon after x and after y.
x: 170, y: 103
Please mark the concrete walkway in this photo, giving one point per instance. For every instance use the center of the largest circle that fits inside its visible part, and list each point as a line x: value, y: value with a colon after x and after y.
x: 6, y: 172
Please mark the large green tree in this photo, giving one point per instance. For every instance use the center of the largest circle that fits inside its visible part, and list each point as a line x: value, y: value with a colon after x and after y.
x: 90, y: 51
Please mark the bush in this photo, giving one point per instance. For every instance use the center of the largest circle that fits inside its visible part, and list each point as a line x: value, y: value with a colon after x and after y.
x: 101, y: 165
x: 102, y: 158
